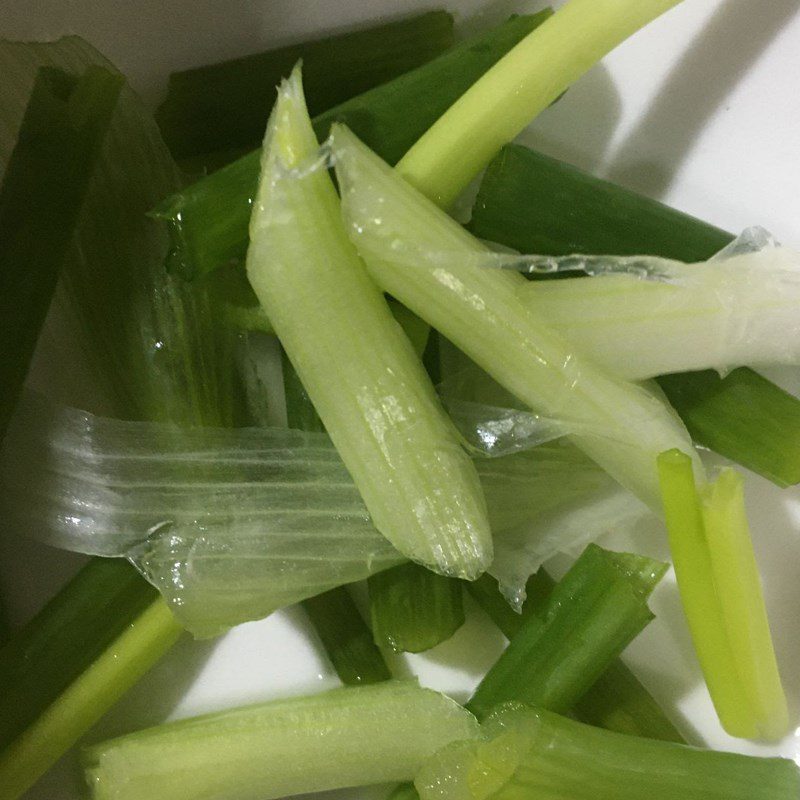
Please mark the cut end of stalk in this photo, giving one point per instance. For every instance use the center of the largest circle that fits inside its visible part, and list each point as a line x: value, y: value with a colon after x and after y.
x: 722, y: 597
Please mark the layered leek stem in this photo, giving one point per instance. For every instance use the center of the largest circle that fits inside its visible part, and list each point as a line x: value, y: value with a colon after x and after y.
x: 359, y: 369
x: 682, y: 317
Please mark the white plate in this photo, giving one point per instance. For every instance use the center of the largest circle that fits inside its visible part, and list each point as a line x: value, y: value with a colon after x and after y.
x: 700, y: 110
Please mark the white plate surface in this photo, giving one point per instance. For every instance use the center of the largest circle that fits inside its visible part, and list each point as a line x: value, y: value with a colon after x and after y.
x: 700, y: 110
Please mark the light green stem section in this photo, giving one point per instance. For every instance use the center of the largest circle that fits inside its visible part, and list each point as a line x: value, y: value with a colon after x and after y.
x: 721, y: 595
x: 354, y: 736
x: 741, y: 599
x: 522, y: 84
x: 87, y: 699
x: 422, y: 257
x: 358, y: 367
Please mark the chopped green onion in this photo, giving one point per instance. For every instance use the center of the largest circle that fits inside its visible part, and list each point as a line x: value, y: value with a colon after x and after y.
x: 616, y: 700
x: 590, y: 617
x: 346, y: 638
x: 43, y: 189
x: 619, y: 702
x: 224, y: 106
x: 742, y: 416
x: 644, y: 316
x: 208, y: 220
x: 522, y: 84
x: 354, y: 736
x: 358, y: 367
x: 532, y: 754
x: 409, y: 251
x: 722, y: 598
x: 413, y: 609
x: 536, y: 204
x: 156, y: 356
x: 486, y: 593
x: 72, y: 662
x: 152, y: 343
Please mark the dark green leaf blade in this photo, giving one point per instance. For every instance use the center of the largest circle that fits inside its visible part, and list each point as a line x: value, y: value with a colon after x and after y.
x: 537, y: 204
x: 742, y: 416
x: 616, y: 701
x: 209, y: 219
x: 413, y: 609
x: 73, y: 629
x: 346, y: 638
x: 43, y: 189
x: 590, y: 617
x: 224, y: 106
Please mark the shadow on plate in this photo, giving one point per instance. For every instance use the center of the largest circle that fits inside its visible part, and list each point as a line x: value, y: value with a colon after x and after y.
x: 722, y: 52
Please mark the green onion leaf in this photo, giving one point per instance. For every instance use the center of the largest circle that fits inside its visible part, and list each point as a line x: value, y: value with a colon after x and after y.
x: 742, y: 416
x: 413, y: 609
x: 616, y: 700
x: 154, y: 353
x: 358, y: 367
x: 521, y: 85
x: 152, y: 343
x: 590, y: 617
x: 536, y: 204
x: 72, y: 662
x: 354, y: 736
x: 346, y: 638
x: 43, y: 189
x: 224, y: 107
x: 209, y: 220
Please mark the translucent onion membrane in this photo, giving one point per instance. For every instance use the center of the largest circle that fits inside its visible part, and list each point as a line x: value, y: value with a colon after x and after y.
x: 644, y: 316
x: 232, y: 524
